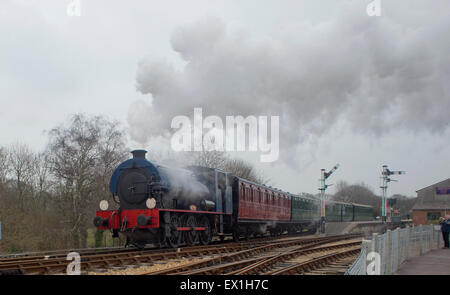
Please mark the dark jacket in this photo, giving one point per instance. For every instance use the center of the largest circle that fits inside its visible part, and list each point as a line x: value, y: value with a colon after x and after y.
x: 445, y: 226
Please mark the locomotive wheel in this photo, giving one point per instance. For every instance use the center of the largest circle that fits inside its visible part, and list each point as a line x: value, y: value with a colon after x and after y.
x: 139, y: 245
x: 247, y: 234
x: 190, y: 237
x: 161, y: 241
x: 279, y: 231
x: 175, y: 236
x: 273, y: 232
x: 206, y: 235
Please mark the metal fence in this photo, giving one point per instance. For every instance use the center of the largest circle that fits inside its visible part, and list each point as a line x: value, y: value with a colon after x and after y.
x: 394, y: 247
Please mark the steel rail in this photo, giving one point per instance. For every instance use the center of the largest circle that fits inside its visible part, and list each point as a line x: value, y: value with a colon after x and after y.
x: 39, y: 259
x: 113, y: 259
x: 236, y: 258
x: 267, y: 263
x: 314, y: 263
x: 93, y: 251
x: 90, y: 262
x: 234, y: 266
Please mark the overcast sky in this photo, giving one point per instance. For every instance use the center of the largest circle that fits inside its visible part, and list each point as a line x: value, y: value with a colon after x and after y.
x: 349, y: 88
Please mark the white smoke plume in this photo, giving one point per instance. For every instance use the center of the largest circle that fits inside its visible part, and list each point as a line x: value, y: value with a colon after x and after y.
x: 374, y: 73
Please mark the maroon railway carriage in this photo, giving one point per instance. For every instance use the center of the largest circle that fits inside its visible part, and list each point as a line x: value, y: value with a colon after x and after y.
x: 259, y: 208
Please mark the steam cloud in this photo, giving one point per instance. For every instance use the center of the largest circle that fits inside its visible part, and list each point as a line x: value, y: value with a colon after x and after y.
x: 374, y: 73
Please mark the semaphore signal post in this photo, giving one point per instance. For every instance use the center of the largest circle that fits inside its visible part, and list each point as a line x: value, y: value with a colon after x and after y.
x: 385, y: 179
x: 322, y: 187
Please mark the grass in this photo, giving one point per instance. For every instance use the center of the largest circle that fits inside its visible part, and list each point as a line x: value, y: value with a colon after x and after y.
x: 106, y: 241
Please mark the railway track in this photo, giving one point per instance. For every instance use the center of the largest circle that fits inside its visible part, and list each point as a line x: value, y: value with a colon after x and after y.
x: 259, y: 260
x: 61, y: 254
x: 106, y: 250
x: 4, y: 257
x: 91, y: 261
x: 279, y: 263
x: 338, y: 267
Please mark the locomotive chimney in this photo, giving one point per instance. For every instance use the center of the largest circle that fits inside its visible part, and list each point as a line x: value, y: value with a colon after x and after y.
x: 139, y: 154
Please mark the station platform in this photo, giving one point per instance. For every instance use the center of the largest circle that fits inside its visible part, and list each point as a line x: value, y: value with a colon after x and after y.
x: 435, y: 262
x: 364, y: 227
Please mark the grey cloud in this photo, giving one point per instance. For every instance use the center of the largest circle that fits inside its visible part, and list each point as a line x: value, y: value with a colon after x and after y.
x: 376, y: 74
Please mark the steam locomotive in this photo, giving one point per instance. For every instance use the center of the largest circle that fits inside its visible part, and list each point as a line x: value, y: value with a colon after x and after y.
x: 170, y: 206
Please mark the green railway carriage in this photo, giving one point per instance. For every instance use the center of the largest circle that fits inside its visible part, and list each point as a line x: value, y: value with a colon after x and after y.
x: 305, y: 209
x: 363, y: 213
x: 340, y: 211
x: 333, y: 211
x: 347, y: 212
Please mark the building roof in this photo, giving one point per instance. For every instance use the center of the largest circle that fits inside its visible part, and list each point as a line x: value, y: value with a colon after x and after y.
x: 437, y: 205
x: 429, y: 199
x: 445, y: 180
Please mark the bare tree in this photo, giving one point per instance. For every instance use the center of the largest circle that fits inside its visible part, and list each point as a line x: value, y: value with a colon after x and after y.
x: 306, y: 195
x: 357, y: 193
x: 210, y: 159
x: 41, y: 181
x: 243, y: 169
x: 81, y: 157
x: 112, y: 151
x: 21, y: 160
x: 220, y: 160
x: 3, y: 164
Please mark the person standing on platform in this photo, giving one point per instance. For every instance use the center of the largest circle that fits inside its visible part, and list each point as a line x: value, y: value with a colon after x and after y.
x: 445, y: 228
